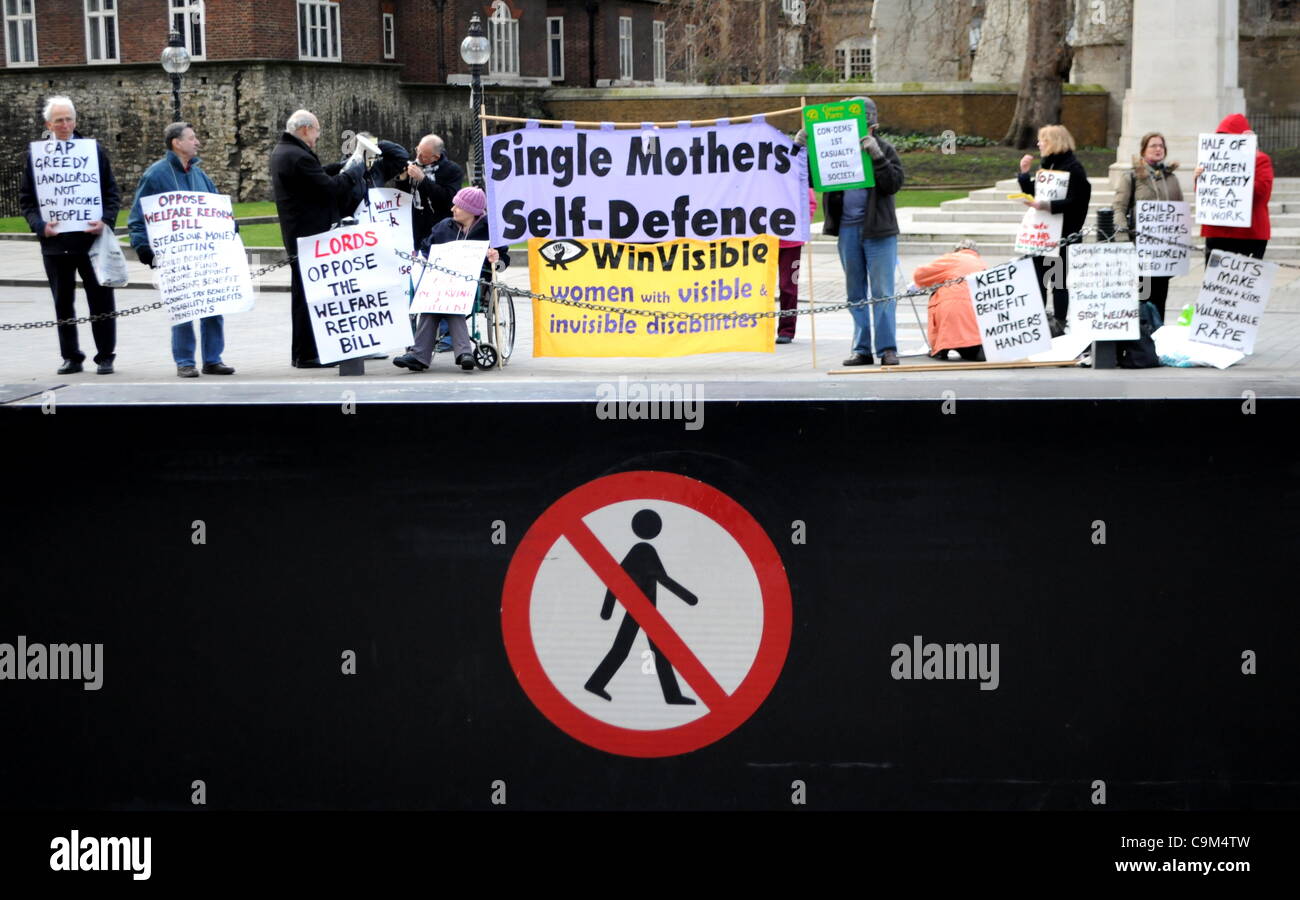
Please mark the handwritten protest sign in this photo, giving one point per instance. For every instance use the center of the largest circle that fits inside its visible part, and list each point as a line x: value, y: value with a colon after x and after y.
x: 356, y: 303
x: 1233, y: 295
x: 199, y: 257
x: 735, y: 277
x: 835, y: 157
x: 1226, y: 189
x: 1103, y: 284
x: 1009, y: 310
x: 1163, y: 225
x: 389, y: 208
x: 1040, y: 230
x: 67, y: 182
x: 647, y: 184
x: 451, y: 291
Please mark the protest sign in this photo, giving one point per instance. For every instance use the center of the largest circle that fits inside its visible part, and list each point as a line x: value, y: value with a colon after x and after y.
x: 67, y: 182
x: 199, y: 257
x: 1226, y: 189
x: 1162, y: 226
x: 1102, y: 279
x: 1009, y: 310
x: 356, y: 302
x: 736, y: 278
x: 390, y: 209
x: 646, y: 185
x: 1233, y: 295
x: 1040, y: 230
x: 452, y: 291
x: 835, y: 157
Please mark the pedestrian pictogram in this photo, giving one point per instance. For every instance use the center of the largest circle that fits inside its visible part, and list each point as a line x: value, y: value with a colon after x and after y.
x: 646, y: 614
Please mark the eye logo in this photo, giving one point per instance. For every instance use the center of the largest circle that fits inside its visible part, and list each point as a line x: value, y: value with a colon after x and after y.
x: 558, y: 254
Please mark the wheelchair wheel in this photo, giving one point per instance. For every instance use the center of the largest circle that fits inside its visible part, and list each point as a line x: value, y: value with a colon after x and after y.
x: 485, y: 355
x: 502, y: 315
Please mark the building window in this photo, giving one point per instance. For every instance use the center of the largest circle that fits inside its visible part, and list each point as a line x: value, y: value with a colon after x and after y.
x: 390, y: 39
x: 187, y: 20
x: 555, y: 47
x: 690, y: 54
x: 101, y: 31
x: 505, y: 41
x: 20, y: 32
x: 853, y: 59
x: 318, y: 30
x: 661, y: 53
x: 625, y: 48
x: 795, y: 10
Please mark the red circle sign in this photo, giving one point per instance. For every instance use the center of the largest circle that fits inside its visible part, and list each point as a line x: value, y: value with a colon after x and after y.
x: 564, y: 519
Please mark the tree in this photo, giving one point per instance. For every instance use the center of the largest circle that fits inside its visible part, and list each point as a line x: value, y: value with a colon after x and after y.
x: 1047, y: 65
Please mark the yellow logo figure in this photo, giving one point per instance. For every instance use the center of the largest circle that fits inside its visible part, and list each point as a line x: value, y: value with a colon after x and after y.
x: 855, y: 108
x: 813, y: 115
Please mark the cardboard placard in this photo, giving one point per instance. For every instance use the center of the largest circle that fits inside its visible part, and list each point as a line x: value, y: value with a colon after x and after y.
x: 449, y: 292
x: 1103, y: 283
x: 1231, y: 303
x: 1164, y: 239
x: 67, y: 182
x: 198, y: 256
x: 1040, y: 230
x: 835, y: 157
x: 1226, y: 189
x: 1009, y: 310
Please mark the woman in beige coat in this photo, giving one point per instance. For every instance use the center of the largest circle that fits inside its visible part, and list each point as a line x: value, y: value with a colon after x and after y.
x: 1150, y: 179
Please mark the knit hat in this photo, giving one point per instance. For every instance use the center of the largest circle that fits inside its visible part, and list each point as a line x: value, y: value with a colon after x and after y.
x: 472, y: 200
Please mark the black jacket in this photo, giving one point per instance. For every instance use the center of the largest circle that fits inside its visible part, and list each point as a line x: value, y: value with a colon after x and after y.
x: 74, y: 241
x: 1078, y: 193
x: 447, y: 230
x: 881, y: 220
x: 440, y: 183
x: 308, y: 199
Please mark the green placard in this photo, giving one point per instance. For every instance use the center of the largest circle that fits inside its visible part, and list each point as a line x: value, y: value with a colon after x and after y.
x: 836, y: 160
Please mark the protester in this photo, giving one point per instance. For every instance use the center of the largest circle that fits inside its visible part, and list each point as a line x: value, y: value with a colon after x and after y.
x: 67, y: 254
x: 433, y: 180
x: 867, y: 228
x: 309, y: 200
x: 1151, y: 178
x: 787, y: 263
x: 1251, y: 241
x: 178, y: 170
x: 468, y: 222
x: 1057, y: 148
x: 952, y: 323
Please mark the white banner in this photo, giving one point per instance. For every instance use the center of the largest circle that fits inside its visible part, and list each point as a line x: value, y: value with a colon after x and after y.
x: 67, y: 182
x: 1103, y: 284
x: 391, y: 209
x: 1226, y: 189
x: 1233, y: 295
x: 1040, y: 230
x: 440, y: 292
x: 199, y: 258
x: 646, y: 185
x: 1160, y: 222
x: 1009, y: 309
x: 356, y: 301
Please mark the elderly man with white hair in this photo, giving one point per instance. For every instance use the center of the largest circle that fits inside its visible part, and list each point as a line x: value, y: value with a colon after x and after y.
x: 67, y: 254
x: 434, y: 180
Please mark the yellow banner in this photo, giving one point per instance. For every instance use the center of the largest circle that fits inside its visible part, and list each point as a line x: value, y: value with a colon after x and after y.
x: 736, y: 277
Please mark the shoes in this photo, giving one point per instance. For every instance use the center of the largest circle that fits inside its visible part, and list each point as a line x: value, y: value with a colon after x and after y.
x: 104, y: 368
x: 217, y: 369
x: 466, y: 362
x: 313, y: 364
x: 889, y: 358
x: 939, y: 355
x: 70, y: 367
x: 408, y: 361
x: 784, y: 339
x: 187, y: 372
x: 858, y: 359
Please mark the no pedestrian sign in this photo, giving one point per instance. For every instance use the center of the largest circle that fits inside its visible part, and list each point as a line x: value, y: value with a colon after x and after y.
x: 646, y: 614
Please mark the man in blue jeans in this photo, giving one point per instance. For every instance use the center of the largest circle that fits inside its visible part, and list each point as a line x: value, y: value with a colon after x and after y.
x: 867, y: 228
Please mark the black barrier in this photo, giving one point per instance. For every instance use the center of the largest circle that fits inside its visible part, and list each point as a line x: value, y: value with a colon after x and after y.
x: 1130, y: 561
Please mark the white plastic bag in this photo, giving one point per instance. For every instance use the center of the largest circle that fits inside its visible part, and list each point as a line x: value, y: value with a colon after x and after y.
x: 108, y: 260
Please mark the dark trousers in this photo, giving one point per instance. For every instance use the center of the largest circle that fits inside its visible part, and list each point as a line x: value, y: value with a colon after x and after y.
x: 1155, y: 289
x: 787, y: 271
x: 617, y: 655
x: 303, y: 346
x: 62, y: 272
x: 1235, y: 245
x: 1054, y: 270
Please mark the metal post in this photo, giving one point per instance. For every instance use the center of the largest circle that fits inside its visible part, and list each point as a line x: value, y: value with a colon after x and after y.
x: 176, y: 98
x: 1104, y: 354
x: 476, y: 103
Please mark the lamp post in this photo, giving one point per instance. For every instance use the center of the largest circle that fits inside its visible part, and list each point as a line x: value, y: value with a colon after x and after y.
x: 475, y: 50
x: 176, y: 61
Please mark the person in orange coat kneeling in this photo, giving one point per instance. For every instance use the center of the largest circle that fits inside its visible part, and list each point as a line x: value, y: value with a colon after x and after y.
x: 952, y: 323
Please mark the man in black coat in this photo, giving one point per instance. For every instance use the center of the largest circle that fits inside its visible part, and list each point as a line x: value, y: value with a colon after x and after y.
x: 67, y: 254
x: 433, y: 180
x: 309, y: 200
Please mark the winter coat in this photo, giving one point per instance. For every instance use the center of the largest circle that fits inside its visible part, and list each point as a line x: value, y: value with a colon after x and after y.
x: 440, y: 183
x: 447, y: 231
x: 1144, y: 182
x: 308, y: 200
x: 71, y: 242
x: 952, y: 322
x: 880, y: 221
x: 1078, y: 193
x: 1260, y: 228
x: 167, y: 174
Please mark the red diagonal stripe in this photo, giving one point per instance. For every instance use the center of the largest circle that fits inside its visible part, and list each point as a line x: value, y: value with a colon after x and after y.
x: 640, y: 608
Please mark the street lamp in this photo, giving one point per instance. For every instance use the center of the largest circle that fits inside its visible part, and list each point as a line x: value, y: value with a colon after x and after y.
x: 176, y: 61
x: 475, y: 50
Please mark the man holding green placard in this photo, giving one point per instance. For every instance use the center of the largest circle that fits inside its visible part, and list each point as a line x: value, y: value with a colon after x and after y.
x: 859, y: 177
